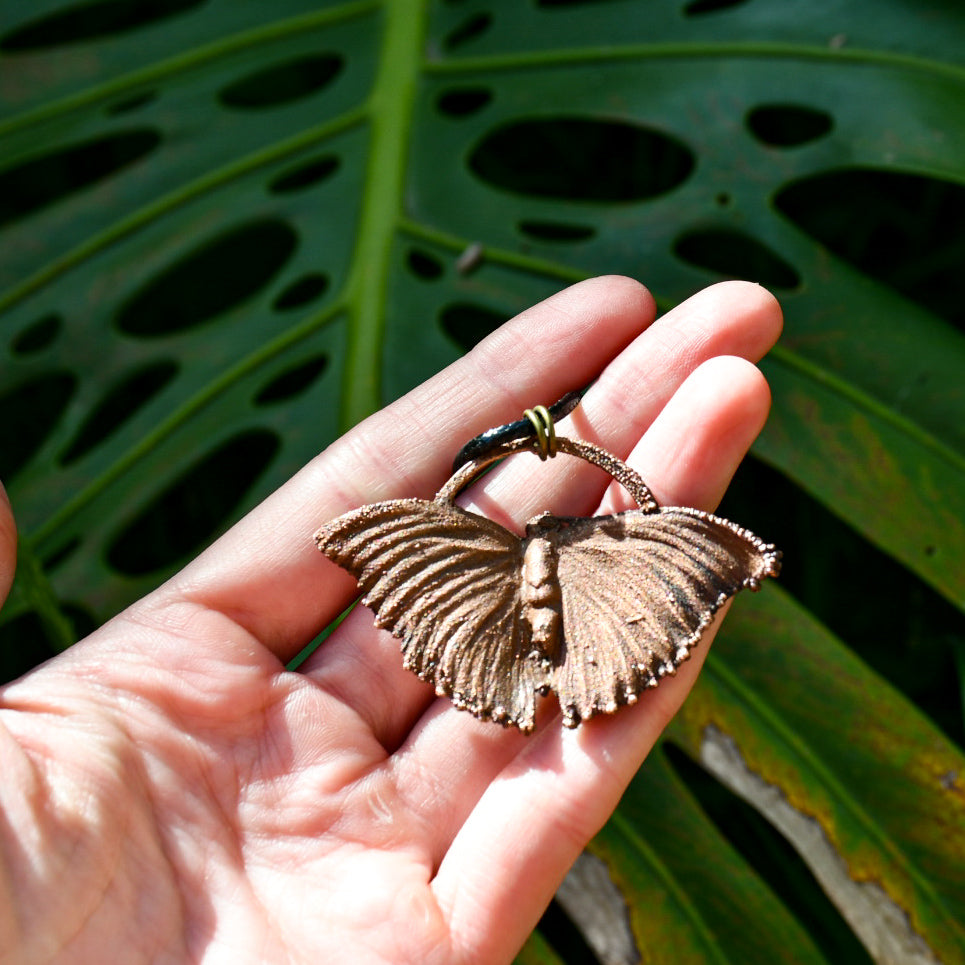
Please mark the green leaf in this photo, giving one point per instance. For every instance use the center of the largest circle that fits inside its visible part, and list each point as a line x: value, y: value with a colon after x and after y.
x: 692, y: 896
x: 866, y: 789
x: 229, y: 231
x: 537, y: 951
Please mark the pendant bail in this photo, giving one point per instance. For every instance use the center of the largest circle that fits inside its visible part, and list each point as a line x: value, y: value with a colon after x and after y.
x: 542, y: 422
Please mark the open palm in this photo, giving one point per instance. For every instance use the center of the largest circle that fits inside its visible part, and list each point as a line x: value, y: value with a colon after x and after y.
x: 170, y: 792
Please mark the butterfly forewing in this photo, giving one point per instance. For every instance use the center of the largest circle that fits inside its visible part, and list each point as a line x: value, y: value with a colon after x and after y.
x: 446, y: 582
x: 638, y: 590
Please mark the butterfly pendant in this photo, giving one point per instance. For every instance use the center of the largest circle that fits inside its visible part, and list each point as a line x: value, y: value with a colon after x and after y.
x: 595, y: 609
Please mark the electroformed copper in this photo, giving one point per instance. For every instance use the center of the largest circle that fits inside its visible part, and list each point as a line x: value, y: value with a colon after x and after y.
x: 595, y: 609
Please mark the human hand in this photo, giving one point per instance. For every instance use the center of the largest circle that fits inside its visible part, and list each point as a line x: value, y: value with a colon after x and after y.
x: 171, y: 792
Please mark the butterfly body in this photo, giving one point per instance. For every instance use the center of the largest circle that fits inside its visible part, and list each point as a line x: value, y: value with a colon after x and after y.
x: 540, y: 594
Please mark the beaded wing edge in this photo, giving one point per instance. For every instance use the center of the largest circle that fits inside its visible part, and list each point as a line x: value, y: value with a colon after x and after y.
x: 595, y: 609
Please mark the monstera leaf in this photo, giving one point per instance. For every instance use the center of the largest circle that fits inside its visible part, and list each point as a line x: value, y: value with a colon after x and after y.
x: 230, y: 230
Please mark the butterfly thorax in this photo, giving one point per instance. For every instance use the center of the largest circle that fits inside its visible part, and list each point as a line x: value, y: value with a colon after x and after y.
x: 540, y: 594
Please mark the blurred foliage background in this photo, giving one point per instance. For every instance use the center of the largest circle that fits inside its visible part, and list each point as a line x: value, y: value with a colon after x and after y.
x: 230, y: 229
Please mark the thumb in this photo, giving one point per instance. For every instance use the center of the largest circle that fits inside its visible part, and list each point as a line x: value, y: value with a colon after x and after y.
x: 8, y: 545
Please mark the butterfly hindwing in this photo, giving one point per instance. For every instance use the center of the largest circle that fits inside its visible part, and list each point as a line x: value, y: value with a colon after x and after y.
x: 446, y: 582
x: 638, y: 590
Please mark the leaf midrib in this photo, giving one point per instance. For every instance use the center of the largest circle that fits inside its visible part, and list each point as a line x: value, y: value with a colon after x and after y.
x: 391, y: 104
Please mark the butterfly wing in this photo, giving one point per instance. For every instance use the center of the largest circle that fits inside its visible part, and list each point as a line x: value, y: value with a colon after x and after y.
x: 446, y: 582
x: 638, y: 590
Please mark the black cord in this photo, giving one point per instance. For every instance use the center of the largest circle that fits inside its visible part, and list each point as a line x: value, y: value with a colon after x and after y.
x: 522, y: 429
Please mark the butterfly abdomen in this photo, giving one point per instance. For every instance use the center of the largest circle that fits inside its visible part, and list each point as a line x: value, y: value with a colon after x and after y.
x: 540, y: 595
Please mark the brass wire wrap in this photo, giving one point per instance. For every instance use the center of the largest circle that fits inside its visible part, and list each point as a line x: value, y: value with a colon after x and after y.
x: 542, y: 422
x: 523, y: 428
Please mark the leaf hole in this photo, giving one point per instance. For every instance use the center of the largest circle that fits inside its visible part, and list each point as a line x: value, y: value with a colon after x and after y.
x: 293, y: 381
x: 736, y: 255
x: 580, y: 159
x: 697, y: 7
x: 28, y: 414
x: 302, y: 291
x: 80, y: 618
x: 424, y: 265
x: 556, y: 231
x: 282, y: 83
x: 133, y: 103
x: 83, y: 22
x: 903, y: 230
x: 305, y: 175
x: 24, y: 643
x: 215, y: 277
x: 31, y: 185
x: 468, y: 324
x: 788, y: 125
x: 193, y: 509
x: 118, y: 404
x: 471, y: 28
x: 60, y: 555
x: 463, y: 101
x: 38, y: 335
